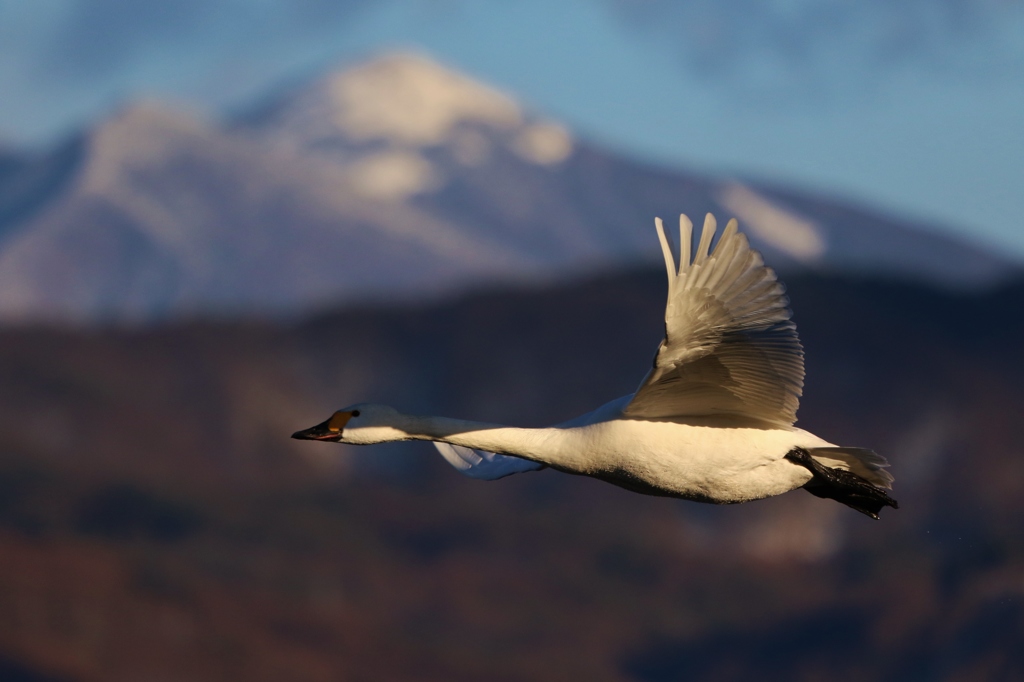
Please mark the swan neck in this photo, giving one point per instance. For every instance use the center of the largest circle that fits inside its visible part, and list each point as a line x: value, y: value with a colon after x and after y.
x: 533, y: 444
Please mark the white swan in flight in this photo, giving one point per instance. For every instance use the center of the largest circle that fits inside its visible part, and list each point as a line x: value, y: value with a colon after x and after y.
x: 711, y: 422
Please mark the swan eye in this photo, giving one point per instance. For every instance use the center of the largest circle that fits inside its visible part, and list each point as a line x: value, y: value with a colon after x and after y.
x: 355, y: 413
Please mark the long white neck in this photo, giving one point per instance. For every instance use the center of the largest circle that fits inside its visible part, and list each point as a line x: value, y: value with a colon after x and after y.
x: 539, y: 445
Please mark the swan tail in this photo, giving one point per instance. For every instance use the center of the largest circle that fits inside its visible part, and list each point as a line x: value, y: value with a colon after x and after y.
x: 483, y: 465
x: 843, y: 483
x: 865, y: 463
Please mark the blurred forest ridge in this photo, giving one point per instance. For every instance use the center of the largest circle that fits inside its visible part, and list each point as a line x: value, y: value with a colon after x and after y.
x: 157, y: 521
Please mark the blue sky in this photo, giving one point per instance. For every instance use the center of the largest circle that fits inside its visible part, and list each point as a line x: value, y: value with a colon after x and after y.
x: 915, y: 106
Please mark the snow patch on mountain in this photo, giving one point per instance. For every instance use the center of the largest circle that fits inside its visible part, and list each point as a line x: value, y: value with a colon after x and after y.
x: 787, y: 231
x: 403, y: 99
x: 132, y: 138
x: 544, y: 143
x: 393, y: 175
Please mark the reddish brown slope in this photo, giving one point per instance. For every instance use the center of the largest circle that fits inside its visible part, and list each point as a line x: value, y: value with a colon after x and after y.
x: 156, y: 521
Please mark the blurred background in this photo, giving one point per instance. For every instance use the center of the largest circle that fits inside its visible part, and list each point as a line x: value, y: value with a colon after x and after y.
x: 221, y: 221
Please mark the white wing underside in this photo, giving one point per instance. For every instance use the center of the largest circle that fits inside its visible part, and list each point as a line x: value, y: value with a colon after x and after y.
x: 487, y: 466
x: 730, y: 348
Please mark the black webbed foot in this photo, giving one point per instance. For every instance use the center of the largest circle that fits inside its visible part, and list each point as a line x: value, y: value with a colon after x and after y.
x: 841, y: 485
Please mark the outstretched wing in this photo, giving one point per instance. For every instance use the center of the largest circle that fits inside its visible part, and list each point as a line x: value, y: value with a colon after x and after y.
x: 484, y: 465
x: 730, y: 347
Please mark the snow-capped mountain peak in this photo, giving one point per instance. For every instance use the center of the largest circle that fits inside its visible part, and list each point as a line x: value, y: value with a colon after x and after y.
x: 407, y: 99
x: 400, y: 98
x: 394, y: 178
x: 134, y: 136
x: 398, y: 121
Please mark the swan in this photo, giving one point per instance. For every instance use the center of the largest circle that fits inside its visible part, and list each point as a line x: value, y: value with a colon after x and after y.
x: 713, y: 420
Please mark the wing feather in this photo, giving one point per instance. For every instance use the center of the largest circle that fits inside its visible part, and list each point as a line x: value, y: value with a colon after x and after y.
x: 730, y: 347
x: 488, y: 466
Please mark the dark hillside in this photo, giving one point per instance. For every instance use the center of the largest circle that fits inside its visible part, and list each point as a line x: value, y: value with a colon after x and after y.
x: 157, y: 522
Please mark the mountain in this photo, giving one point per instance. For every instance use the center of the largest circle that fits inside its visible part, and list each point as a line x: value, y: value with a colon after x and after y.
x: 393, y: 178
x: 156, y: 522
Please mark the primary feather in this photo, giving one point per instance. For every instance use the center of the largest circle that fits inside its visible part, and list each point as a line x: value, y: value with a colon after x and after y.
x: 730, y: 347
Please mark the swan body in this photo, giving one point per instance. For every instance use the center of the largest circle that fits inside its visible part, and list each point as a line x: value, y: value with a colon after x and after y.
x: 711, y: 422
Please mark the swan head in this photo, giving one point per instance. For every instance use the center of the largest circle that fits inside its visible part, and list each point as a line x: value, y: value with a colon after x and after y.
x: 361, y: 424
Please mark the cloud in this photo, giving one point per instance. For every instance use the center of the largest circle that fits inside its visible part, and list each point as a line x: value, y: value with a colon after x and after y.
x: 99, y: 37
x: 807, y: 43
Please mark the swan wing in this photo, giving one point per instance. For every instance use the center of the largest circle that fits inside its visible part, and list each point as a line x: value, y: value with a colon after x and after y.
x: 730, y: 348
x: 487, y: 466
